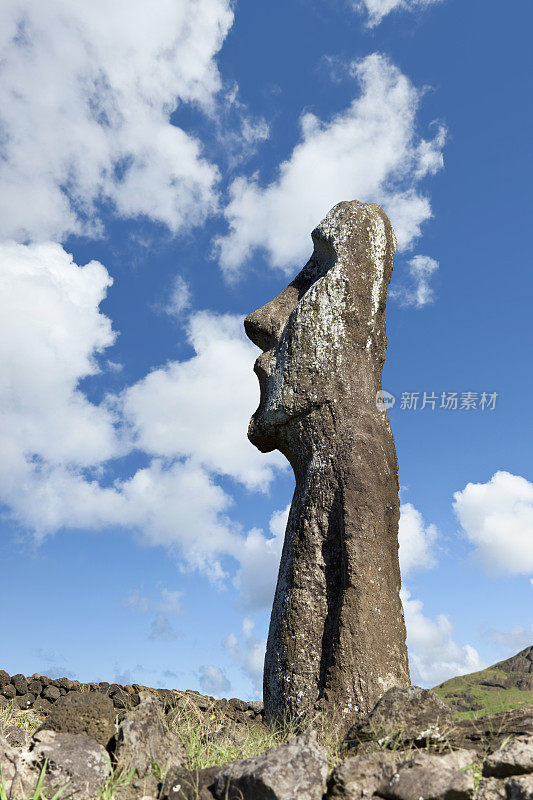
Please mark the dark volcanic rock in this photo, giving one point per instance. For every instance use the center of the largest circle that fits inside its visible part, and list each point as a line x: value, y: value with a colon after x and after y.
x: 404, y: 717
x: 9, y: 691
x: 185, y: 784
x: 294, y: 770
x: 337, y: 633
x: 15, y: 736
x: 20, y: 683
x: 431, y: 777
x: 5, y: 678
x: 86, y: 713
x: 51, y: 693
x: 24, y: 701
x: 358, y: 777
x: 515, y: 758
x: 489, y: 733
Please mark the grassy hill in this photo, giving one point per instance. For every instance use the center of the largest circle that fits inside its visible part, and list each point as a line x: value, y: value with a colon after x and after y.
x: 504, y: 686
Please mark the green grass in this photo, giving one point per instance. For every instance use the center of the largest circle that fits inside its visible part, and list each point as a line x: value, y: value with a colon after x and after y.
x: 493, y: 700
x: 209, y: 738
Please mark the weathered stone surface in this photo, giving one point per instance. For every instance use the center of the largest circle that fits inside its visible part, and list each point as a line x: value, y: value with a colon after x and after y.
x: 488, y: 733
x: 337, y: 633
x: 403, y: 717
x: 51, y: 693
x: 516, y: 758
x: 515, y: 788
x: 20, y: 683
x: 42, y: 705
x: 431, y: 777
x: 142, y: 740
x: 295, y: 770
x: 15, y: 736
x: 359, y: 776
x: 519, y: 788
x: 184, y: 784
x: 73, y: 761
x: 18, y: 778
x: 491, y: 789
x: 24, y: 701
x: 91, y: 714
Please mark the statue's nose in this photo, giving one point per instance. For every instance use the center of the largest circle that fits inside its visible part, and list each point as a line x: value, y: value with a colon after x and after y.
x: 261, y: 328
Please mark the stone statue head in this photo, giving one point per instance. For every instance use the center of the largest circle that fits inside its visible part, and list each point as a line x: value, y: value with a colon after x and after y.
x: 309, y: 332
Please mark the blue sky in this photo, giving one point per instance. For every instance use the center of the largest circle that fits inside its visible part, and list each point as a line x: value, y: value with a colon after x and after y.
x: 162, y: 168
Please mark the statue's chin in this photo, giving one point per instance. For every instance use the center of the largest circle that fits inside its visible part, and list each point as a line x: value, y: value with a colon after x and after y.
x: 260, y: 435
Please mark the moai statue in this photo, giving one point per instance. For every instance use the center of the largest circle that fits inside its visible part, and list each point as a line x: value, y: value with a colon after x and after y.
x: 337, y: 634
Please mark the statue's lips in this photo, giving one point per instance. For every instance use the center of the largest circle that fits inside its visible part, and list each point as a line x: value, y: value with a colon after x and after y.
x: 261, y: 370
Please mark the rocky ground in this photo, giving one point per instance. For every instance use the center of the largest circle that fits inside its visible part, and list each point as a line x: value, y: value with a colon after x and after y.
x: 101, y: 741
x: 504, y: 686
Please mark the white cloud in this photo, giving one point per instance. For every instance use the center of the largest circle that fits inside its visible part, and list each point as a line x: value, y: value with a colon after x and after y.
x: 59, y: 451
x: 162, y: 630
x: 259, y: 559
x: 515, y: 639
x: 213, y: 681
x: 200, y: 408
x: 378, y: 9
x: 230, y: 643
x: 497, y: 518
x: 434, y: 655
x: 180, y: 298
x: 86, y: 98
x: 250, y: 656
x: 419, y: 293
x: 51, y: 334
x: 369, y: 151
x: 416, y: 540
x: 168, y: 603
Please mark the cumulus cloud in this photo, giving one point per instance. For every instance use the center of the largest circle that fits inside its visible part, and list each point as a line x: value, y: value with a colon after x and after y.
x: 51, y: 335
x: 249, y: 653
x: 516, y: 638
x: 370, y: 151
x: 86, y: 99
x: 162, y: 630
x: 60, y: 451
x: 199, y: 408
x: 169, y: 602
x: 213, y: 681
x: 497, y: 518
x: 259, y: 559
x: 418, y: 291
x: 434, y: 655
x: 378, y: 9
x: 180, y: 298
x: 416, y: 541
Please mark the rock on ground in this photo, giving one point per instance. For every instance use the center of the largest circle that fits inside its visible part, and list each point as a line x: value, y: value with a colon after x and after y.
x: 185, y: 784
x: 403, y: 717
x: 145, y: 747
x: 432, y: 777
x: 90, y: 714
x: 516, y: 758
x: 75, y: 763
x: 18, y: 778
x: 292, y: 771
